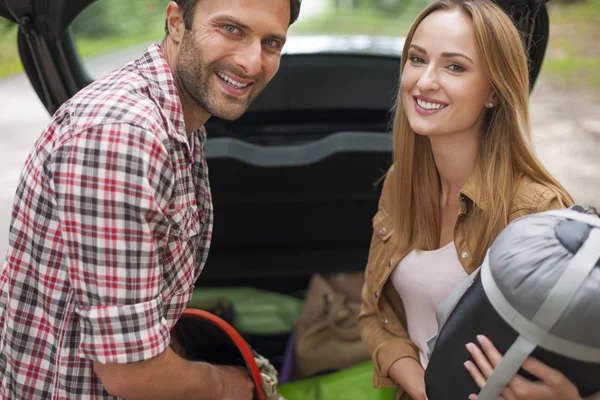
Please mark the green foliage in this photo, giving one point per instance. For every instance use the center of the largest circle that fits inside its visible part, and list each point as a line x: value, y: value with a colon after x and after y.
x: 366, y: 18
x: 111, y: 18
x: 395, y: 7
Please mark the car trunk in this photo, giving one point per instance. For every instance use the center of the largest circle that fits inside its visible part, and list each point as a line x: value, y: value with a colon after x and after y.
x: 294, y: 181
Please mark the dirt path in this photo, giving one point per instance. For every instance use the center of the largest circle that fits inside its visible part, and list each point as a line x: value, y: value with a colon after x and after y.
x: 566, y: 136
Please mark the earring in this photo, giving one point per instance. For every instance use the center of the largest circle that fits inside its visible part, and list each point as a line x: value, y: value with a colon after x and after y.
x: 490, y: 105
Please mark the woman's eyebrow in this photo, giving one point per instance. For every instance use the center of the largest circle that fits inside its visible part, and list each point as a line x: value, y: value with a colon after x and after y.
x: 450, y: 55
x: 447, y: 54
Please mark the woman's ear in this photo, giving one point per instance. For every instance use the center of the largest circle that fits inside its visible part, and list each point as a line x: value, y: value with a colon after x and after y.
x: 492, y: 101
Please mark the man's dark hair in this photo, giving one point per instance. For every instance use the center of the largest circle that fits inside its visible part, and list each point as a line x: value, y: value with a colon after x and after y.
x: 187, y: 9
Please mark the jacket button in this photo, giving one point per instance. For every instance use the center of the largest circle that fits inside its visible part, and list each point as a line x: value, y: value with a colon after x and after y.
x: 382, y: 231
x: 464, y: 255
x: 390, y: 263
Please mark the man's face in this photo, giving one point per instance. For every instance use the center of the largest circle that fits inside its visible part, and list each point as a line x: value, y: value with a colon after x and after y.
x: 231, y: 53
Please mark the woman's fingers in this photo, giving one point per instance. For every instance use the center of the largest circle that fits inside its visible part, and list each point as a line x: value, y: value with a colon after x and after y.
x: 480, y: 359
x: 475, y: 374
x: 540, y: 370
x: 490, y: 350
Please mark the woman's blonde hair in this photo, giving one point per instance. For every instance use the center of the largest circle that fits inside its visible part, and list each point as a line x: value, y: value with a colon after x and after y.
x: 505, y: 154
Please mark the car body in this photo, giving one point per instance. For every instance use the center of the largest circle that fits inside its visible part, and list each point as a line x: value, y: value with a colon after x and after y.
x: 294, y: 180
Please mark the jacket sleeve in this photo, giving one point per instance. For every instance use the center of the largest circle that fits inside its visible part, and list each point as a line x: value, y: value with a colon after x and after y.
x: 386, y: 341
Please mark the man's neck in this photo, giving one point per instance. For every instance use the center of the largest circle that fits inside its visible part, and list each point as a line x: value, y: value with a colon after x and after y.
x: 194, y: 117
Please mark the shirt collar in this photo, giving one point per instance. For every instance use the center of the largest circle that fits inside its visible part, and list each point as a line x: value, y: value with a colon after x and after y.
x: 153, y: 66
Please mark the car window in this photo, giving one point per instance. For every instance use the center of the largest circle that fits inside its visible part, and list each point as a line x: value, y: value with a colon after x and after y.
x: 109, y: 32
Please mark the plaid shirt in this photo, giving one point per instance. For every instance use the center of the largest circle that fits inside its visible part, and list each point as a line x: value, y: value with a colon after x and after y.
x: 110, y: 229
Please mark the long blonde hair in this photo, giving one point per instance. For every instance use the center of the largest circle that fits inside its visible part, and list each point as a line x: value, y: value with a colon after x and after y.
x: 505, y: 154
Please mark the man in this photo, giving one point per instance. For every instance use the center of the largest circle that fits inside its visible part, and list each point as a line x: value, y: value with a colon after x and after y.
x: 112, y: 219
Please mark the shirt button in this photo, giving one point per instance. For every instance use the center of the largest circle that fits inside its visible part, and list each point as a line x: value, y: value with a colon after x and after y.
x: 376, y: 295
x: 382, y: 231
x: 384, y: 320
x: 390, y: 263
x: 464, y: 255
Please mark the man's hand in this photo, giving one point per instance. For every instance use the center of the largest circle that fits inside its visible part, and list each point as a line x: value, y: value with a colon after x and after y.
x: 410, y: 376
x: 235, y: 382
x: 551, y: 385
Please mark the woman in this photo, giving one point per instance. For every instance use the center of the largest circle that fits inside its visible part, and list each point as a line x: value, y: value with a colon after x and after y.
x: 463, y: 169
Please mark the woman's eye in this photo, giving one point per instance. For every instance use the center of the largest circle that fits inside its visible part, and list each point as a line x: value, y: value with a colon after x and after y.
x: 456, y: 68
x: 416, y: 59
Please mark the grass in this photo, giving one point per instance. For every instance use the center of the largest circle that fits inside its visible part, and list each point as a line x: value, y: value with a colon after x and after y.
x: 573, y: 55
x: 10, y: 62
x: 92, y: 47
x: 361, y: 21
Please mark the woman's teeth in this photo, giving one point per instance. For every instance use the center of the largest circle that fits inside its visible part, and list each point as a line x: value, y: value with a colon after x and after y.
x: 429, y: 106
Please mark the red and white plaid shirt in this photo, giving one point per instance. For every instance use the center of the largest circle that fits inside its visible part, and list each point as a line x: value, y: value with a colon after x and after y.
x: 110, y: 229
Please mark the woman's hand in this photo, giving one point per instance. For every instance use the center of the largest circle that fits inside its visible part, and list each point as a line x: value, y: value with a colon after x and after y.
x: 551, y: 385
x: 410, y: 376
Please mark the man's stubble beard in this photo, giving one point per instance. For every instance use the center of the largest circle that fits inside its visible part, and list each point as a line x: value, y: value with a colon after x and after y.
x: 193, y: 76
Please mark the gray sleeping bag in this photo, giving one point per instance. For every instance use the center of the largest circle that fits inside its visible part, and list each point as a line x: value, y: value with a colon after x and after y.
x: 537, y: 293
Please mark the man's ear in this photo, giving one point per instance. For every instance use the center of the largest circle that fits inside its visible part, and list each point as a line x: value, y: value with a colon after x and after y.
x: 175, y: 22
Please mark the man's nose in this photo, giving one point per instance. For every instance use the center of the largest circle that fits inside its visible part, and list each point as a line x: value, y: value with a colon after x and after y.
x: 429, y: 80
x: 249, y: 58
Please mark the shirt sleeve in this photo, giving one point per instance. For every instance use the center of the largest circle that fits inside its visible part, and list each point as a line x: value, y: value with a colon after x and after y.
x: 112, y: 184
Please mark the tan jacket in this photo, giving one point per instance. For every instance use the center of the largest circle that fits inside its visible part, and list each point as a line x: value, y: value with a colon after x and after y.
x: 382, y: 320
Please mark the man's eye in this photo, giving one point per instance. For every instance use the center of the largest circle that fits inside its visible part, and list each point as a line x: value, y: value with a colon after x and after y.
x: 230, y: 28
x: 271, y: 43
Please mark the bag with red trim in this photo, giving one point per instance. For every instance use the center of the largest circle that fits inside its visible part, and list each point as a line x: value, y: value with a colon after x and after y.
x: 201, y: 336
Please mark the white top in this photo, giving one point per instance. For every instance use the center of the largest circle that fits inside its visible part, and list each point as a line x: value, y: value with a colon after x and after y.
x: 423, y: 279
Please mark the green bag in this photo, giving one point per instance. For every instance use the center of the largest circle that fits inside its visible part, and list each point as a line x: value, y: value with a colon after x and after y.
x: 354, y: 383
x: 255, y: 311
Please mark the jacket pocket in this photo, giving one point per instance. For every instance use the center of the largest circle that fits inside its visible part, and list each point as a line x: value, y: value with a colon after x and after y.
x: 382, y: 226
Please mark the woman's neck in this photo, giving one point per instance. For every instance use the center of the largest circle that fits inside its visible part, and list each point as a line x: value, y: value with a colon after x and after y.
x: 455, y: 157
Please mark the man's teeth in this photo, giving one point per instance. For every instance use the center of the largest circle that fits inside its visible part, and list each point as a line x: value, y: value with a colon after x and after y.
x: 233, y: 83
x: 429, y: 106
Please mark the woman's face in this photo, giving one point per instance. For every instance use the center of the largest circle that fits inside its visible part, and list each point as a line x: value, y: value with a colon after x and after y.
x: 444, y: 86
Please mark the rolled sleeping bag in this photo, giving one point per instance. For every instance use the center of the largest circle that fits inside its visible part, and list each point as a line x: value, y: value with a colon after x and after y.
x: 537, y: 293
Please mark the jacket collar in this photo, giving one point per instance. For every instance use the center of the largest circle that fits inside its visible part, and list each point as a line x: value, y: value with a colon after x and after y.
x: 469, y: 195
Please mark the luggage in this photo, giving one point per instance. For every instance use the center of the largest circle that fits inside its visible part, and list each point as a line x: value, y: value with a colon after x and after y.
x: 537, y: 293
x: 201, y: 336
x: 253, y: 311
x: 354, y: 383
x: 327, y: 337
x: 265, y: 319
